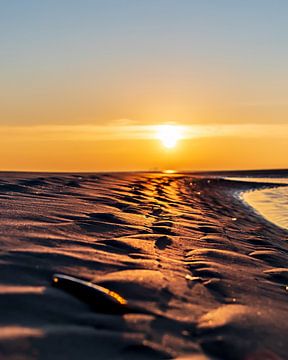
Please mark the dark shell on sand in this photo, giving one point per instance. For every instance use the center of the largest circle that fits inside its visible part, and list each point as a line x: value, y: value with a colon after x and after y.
x: 99, y: 298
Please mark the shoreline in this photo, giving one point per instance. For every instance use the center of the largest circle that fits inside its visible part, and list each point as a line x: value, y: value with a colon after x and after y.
x: 270, y: 204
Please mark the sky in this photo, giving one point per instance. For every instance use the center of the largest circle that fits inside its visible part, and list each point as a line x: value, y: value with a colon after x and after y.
x: 84, y: 84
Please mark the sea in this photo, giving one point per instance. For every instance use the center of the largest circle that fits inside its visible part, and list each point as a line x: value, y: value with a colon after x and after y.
x: 271, y: 203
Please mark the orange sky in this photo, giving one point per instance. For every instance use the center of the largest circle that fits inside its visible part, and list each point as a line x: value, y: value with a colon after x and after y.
x: 84, y: 84
x: 116, y: 148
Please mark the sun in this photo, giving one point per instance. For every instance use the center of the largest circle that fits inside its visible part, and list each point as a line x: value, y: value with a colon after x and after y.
x: 169, y: 135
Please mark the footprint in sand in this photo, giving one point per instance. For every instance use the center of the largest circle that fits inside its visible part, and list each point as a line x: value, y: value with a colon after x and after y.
x: 162, y: 242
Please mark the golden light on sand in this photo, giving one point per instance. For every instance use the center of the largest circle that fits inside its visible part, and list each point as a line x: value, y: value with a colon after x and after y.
x: 169, y: 135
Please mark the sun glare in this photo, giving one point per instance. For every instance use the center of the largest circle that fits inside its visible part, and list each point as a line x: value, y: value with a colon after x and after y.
x: 169, y: 135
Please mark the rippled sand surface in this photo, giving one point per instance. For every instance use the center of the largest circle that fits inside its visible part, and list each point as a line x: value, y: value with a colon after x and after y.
x: 207, y: 274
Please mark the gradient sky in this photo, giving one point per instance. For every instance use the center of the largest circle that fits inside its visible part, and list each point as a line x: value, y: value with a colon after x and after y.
x: 77, y: 76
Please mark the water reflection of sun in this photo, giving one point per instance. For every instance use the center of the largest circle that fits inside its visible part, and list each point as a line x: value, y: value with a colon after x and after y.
x: 169, y: 135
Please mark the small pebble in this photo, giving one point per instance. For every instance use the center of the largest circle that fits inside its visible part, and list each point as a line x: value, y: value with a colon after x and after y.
x: 192, y: 278
x: 185, y: 333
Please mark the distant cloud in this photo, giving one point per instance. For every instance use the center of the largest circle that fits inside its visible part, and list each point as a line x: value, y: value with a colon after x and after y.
x: 75, y: 132
x: 125, y: 131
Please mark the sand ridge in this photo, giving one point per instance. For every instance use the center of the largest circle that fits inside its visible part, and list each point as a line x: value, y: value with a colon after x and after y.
x: 208, y: 272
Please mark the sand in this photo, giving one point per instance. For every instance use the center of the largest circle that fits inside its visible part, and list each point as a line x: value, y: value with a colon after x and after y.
x: 207, y: 274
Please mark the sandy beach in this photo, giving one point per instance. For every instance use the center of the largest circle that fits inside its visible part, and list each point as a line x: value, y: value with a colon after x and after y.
x: 206, y: 274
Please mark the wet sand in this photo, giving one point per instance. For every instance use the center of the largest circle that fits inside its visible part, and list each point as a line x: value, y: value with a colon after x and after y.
x: 207, y: 274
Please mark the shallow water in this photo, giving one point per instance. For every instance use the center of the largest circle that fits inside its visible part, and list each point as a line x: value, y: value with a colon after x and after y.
x: 271, y: 203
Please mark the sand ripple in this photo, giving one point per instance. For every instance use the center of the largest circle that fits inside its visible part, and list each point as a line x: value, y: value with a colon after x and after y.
x: 208, y: 275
